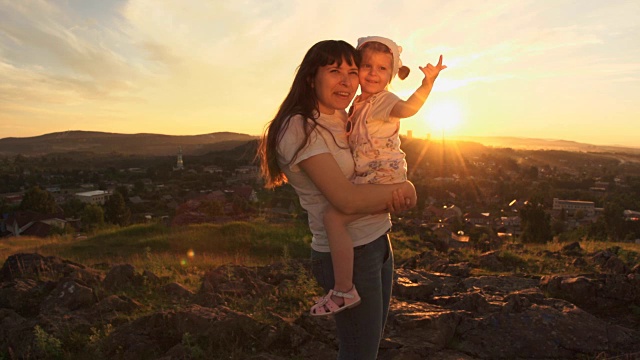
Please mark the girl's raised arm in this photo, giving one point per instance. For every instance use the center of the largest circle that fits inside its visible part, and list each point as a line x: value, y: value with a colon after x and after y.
x: 408, y: 108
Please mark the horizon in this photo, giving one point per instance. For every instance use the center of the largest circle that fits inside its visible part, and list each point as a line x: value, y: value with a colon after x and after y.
x: 528, y: 69
x: 433, y: 138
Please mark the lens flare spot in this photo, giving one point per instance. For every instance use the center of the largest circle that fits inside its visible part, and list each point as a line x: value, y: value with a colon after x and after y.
x: 183, y: 262
x: 191, y: 253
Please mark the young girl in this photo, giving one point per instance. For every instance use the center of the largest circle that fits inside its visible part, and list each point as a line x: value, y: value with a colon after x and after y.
x: 373, y: 128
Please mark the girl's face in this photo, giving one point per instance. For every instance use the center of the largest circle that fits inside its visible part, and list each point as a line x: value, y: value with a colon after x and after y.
x: 375, y: 71
x: 335, y: 86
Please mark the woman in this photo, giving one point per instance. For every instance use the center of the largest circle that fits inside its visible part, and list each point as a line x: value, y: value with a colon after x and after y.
x: 306, y: 145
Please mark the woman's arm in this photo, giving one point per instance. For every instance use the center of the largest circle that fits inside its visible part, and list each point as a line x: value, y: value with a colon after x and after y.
x: 347, y: 197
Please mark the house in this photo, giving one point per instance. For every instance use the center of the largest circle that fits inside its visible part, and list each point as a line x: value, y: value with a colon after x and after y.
x: 93, y: 197
x: 445, y: 237
x: 217, y: 195
x: 31, y: 223
x: 245, y: 192
x: 476, y: 218
x: 212, y: 169
x: 432, y: 211
x: 572, y: 207
x: 509, y: 225
x: 459, y: 241
x: 516, y: 205
x: 630, y: 215
x: 451, y: 211
x: 137, y: 200
x: 13, y: 199
x: 245, y: 173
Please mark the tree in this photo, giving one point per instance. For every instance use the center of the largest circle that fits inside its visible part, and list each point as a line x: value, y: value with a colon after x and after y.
x: 92, y: 216
x: 4, y: 206
x: 212, y: 208
x: 614, y: 221
x: 123, y: 190
x: 116, y: 211
x: 536, y: 224
x: 532, y: 173
x: 38, y: 200
x: 598, y: 230
x: 138, y: 187
x: 73, y: 207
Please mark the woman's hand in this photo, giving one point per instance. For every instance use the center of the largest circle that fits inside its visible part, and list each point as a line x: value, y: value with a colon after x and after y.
x: 403, y: 198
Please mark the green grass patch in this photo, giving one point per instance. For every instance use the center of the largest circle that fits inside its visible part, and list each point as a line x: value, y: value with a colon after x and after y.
x: 175, y: 247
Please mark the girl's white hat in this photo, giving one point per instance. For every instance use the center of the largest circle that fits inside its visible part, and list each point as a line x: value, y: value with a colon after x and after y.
x: 395, y: 50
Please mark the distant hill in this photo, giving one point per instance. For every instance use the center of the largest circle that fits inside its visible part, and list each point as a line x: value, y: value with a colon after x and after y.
x: 127, y: 144
x: 544, y: 144
x: 163, y: 145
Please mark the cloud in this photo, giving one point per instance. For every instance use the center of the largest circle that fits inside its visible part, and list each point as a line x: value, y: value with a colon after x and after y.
x: 40, y: 40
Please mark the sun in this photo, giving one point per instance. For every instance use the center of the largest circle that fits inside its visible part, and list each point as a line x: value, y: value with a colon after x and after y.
x: 443, y: 116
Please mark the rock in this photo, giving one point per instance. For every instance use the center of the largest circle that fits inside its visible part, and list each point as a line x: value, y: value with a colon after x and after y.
x: 579, y: 262
x: 16, y: 333
x: 38, y: 266
x: 432, y: 315
x: 572, y: 249
x: 118, y: 303
x: 231, y: 281
x: 462, y: 269
x: 317, y: 350
x: 423, y: 327
x: 24, y: 295
x: 615, y: 266
x: 177, y: 291
x: 122, y: 277
x: 601, y: 257
x: 474, y: 302
x: 152, y: 336
x: 151, y: 278
x: 424, y: 260
x: 68, y: 295
x: 411, y: 285
x: 490, y: 260
x: 515, y: 303
x: 502, y: 283
x: 557, y: 330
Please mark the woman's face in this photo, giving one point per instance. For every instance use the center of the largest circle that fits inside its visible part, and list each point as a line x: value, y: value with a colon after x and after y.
x: 375, y: 71
x: 335, y: 86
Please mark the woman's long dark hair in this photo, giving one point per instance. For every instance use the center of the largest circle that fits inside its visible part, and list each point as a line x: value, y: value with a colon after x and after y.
x: 301, y: 100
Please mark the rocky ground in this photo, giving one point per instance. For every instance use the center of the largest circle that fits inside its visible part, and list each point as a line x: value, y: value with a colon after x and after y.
x: 54, y: 308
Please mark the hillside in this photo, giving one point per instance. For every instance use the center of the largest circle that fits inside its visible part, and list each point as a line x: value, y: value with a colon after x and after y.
x: 107, y: 143
x: 162, y: 145
x: 545, y: 144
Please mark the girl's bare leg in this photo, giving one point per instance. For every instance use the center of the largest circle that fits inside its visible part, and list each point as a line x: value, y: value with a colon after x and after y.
x: 341, y: 246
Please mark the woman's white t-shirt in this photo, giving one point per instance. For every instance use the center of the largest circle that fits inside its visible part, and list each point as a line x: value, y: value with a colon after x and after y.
x: 328, y: 137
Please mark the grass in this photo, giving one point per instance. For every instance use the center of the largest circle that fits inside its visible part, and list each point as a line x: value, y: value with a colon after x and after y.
x: 182, y: 252
x: 197, y: 245
x: 533, y: 259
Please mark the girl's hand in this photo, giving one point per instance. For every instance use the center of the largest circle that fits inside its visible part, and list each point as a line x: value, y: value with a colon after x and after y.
x: 431, y: 72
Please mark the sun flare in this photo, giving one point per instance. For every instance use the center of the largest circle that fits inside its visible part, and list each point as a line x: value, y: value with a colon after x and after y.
x: 443, y: 116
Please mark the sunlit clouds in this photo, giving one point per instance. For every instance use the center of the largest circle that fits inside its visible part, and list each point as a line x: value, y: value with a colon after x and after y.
x: 563, y: 69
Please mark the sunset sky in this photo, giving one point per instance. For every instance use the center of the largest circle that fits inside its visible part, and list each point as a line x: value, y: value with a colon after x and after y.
x: 552, y: 69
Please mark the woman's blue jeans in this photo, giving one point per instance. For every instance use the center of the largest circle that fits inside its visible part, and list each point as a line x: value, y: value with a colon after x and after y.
x: 360, y: 328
